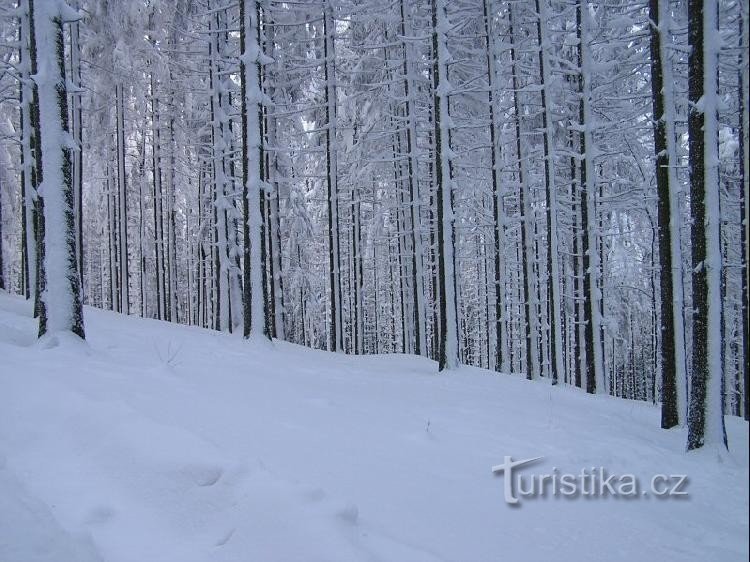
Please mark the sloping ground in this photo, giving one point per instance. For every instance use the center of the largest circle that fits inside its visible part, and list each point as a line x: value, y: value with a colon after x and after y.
x: 158, y: 443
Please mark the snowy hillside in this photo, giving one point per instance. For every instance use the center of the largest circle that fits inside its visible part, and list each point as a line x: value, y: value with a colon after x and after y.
x: 155, y: 442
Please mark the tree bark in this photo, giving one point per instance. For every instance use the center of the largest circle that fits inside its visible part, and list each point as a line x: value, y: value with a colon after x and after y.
x: 448, y: 343
x: 671, y: 327
x: 255, y: 320
x: 60, y: 304
x: 706, y: 413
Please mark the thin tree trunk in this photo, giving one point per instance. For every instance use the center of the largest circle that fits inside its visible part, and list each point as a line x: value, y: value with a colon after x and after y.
x: 2, y: 267
x: 359, y: 326
x: 671, y: 327
x: 157, y: 195
x: 417, y: 265
x: 111, y: 242
x: 142, y: 227
x: 576, y: 328
x: 744, y: 90
x: 273, y: 199
x: 33, y: 160
x: 498, y: 211
x: 77, y: 118
x: 28, y: 244
x: 448, y: 346
x: 553, y: 264
x: 218, y: 121
x: 591, y: 294
x: 527, y: 235
x: 335, y: 339
x: 123, y: 203
x: 171, y: 252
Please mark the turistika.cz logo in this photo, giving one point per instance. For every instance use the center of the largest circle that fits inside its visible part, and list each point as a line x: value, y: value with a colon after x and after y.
x: 590, y: 482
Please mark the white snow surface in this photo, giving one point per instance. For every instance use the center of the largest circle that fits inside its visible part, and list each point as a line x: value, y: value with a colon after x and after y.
x: 154, y: 442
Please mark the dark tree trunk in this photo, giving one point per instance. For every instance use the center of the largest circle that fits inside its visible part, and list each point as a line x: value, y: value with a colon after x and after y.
x: 123, y: 203
x: 586, y: 248
x: 703, y: 398
x: 669, y: 412
x: 525, y: 266
x: 2, y: 267
x: 743, y: 110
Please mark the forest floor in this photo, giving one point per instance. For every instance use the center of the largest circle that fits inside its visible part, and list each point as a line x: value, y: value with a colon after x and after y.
x: 154, y: 442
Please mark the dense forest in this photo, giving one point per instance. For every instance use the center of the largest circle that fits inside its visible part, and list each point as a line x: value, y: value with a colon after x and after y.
x: 550, y: 187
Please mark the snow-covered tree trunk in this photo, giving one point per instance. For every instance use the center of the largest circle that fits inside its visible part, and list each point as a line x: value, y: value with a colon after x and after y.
x: 448, y: 345
x: 255, y: 325
x: 199, y: 258
x: 553, y: 261
x: 171, y: 252
x: 744, y: 91
x: 417, y: 265
x: 158, y: 231
x: 329, y: 67
x: 671, y: 331
x: 357, y: 258
x: 233, y: 221
x: 142, y: 228
x: 2, y: 266
x: 531, y: 333
x: 60, y: 302
x: 498, y: 211
x: 577, y: 328
x: 219, y: 119
x: 706, y: 413
x: 279, y: 309
x: 273, y: 197
x: 77, y: 126
x: 122, y: 191
x: 111, y: 237
x: 592, y: 295
x: 28, y: 164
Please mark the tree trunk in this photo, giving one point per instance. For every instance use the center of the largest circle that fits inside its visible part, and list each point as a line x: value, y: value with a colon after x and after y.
x: 218, y: 122
x: 448, y: 343
x: 255, y: 324
x: 744, y: 89
x: 415, y: 203
x: 2, y: 267
x: 591, y: 294
x: 33, y: 160
x: 60, y: 304
x: 123, y: 203
x: 553, y: 264
x: 671, y: 326
x: 335, y: 338
x: 706, y: 413
x: 498, y: 211
x: 28, y: 242
x: 77, y: 118
x: 157, y: 196
x: 527, y: 235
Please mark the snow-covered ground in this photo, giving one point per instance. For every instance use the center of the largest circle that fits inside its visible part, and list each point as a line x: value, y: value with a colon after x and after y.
x: 157, y: 443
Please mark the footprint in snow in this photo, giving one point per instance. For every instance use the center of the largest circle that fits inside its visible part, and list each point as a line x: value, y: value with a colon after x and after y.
x: 348, y: 514
x: 224, y: 539
x: 203, y: 476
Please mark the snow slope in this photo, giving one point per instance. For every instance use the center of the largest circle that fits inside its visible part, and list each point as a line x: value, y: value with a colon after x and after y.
x: 161, y: 443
